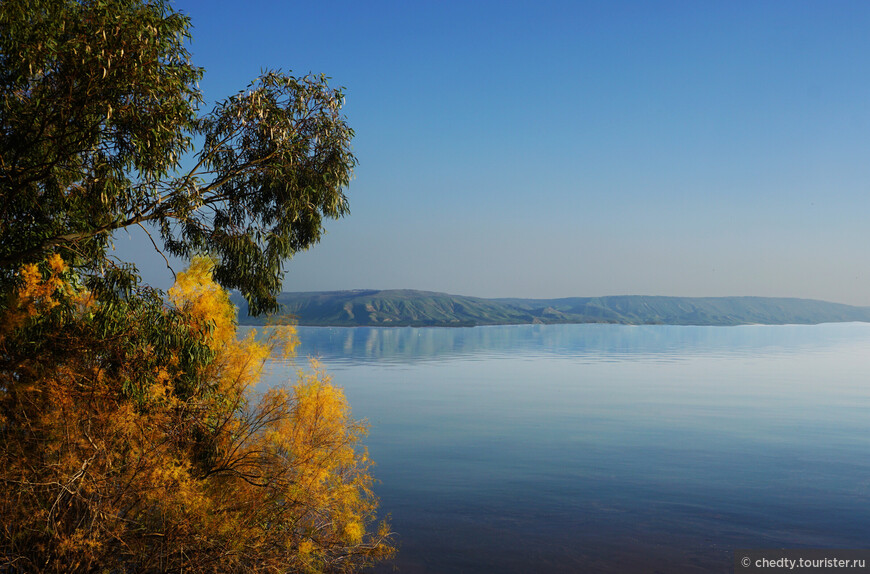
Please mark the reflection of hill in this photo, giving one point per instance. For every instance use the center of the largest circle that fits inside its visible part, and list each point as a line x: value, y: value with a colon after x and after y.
x: 427, y: 309
x: 407, y: 345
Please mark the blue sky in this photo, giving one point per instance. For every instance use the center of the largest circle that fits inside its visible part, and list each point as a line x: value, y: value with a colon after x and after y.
x: 554, y: 149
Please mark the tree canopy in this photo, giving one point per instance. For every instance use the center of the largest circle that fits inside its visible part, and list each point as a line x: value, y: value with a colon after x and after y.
x: 133, y: 437
x: 98, y: 120
x: 130, y: 441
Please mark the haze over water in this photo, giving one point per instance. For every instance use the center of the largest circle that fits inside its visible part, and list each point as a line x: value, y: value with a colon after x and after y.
x: 603, y: 448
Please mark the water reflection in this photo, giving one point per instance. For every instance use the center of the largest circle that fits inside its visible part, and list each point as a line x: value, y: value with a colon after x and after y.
x: 618, y: 449
x: 603, y: 342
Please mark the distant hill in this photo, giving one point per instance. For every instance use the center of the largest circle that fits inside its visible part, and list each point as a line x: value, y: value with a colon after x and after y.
x: 427, y: 309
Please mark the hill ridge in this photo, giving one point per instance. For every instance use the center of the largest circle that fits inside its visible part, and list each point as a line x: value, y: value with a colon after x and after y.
x: 412, y: 307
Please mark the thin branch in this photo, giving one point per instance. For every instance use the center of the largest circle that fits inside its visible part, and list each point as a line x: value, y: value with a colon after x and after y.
x: 158, y: 250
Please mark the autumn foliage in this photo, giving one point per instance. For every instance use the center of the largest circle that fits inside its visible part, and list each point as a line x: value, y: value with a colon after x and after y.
x: 133, y: 435
x: 134, y: 438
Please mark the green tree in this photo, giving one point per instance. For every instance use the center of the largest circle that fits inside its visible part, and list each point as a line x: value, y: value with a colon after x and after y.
x: 100, y: 112
x: 130, y: 440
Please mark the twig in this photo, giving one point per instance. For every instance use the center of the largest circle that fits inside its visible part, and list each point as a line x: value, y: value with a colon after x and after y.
x: 158, y: 250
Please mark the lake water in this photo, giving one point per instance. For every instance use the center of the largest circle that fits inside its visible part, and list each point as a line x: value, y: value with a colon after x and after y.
x: 604, y: 448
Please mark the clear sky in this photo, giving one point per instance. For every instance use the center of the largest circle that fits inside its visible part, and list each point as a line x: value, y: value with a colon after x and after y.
x: 555, y: 149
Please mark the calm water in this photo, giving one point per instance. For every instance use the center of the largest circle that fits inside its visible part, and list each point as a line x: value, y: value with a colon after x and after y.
x: 599, y: 448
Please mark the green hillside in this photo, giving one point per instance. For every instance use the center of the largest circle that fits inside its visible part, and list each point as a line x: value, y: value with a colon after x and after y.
x: 645, y: 310
x: 424, y: 308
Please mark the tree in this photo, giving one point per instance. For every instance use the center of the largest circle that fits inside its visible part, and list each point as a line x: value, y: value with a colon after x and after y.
x: 130, y: 441
x: 98, y: 116
x: 130, y: 436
